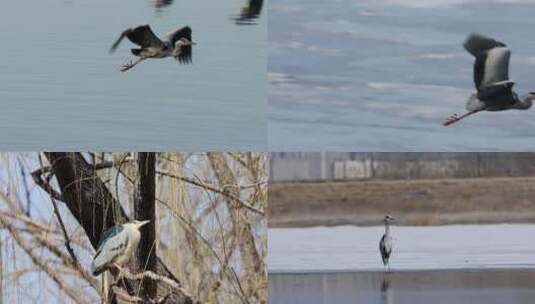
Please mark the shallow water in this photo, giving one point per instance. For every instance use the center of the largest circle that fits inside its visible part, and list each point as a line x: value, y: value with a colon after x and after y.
x: 411, y: 287
x: 350, y: 248
x: 382, y: 75
x: 60, y: 89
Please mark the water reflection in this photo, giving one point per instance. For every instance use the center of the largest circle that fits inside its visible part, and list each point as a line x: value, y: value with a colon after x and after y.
x: 212, y: 104
x: 408, y: 287
x: 386, y: 293
x: 249, y: 12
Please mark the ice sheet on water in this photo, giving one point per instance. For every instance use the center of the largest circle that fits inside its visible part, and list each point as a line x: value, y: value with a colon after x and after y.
x: 349, y: 248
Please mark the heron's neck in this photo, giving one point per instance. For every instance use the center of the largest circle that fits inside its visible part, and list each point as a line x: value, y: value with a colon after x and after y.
x: 387, y: 228
x: 524, y: 103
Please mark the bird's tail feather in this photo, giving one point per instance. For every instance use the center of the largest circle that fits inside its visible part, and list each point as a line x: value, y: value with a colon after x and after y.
x: 98, y: 270
x: 116, y: 44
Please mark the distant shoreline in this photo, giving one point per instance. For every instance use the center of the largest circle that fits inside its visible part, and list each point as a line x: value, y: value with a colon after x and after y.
x: 413, y: 202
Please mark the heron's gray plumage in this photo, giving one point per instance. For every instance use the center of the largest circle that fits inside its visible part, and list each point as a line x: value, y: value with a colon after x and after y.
x: 116, y: 246
x: 491, y: 79
x: 177, y: 43
x: 385, y: 245
x: 250, y: 12
x: 173, y: 37
x: 141, y: 35
x: 491, y: 68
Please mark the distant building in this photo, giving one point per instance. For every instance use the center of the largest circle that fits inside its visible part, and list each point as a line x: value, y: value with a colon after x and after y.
x: 311, y: 166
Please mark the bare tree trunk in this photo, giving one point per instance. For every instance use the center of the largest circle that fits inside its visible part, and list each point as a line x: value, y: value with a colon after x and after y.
x: 144, y: 209
x: 94, y: 207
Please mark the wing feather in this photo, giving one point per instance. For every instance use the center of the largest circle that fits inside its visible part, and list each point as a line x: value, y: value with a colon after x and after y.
x: 492, y: 61
x: 185, y: 51
x: 141, y: 35
x: 112, y: 243
x: 476, y: 44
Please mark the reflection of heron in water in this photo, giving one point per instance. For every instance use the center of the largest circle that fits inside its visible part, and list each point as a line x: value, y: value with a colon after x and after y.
x: 249, y: 12
x: 385, y: 245
x: 491, y: 77
x: 176, y: 43
x: 386, y: 295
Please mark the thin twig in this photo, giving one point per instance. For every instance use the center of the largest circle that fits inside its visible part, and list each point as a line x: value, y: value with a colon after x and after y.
x: 233, y: 273
x: 213, y: 189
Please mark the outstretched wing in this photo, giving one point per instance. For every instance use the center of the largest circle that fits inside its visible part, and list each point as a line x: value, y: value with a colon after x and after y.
x: 491, y: 67
x: 476, y: 44
x: 141, y: 35
x: 185, y: 51
x: 112, y: 243
x: 249, y: 12
x: 162, y: 3
x: 255, y: 6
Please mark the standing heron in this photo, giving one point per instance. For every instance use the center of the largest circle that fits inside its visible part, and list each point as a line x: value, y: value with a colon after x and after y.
x: 117, y: 246
x: 491, y: 78
x: 385, y: 245
x: 176, y: 43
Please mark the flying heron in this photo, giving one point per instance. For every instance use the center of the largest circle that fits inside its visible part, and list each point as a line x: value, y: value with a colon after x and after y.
x: 250, y: 12
x: 162, y: 3
x: 385, y: 245
x: 176, y: 43
x: 491, y: 78
x: 117, y: 246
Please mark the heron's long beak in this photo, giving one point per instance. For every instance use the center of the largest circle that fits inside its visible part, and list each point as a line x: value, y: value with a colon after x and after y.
x: 144, y: 223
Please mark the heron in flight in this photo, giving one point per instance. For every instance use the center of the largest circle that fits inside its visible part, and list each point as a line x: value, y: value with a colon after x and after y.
x: 385, y: 245
x: 176, y: 43
x: 162, y: 3
x: 117, y: 246
x: 250, y: 12
x: 491, y: 78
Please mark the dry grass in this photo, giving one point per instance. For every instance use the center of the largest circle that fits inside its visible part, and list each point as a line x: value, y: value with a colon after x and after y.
x: 414, y: 202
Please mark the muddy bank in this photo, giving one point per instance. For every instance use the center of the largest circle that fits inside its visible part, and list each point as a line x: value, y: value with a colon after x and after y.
x: 414, y: 202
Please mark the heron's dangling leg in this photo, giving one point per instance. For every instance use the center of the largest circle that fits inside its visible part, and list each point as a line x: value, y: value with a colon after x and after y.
x: 455, y: 118
x: 131, y: 64
x: 118, y: 273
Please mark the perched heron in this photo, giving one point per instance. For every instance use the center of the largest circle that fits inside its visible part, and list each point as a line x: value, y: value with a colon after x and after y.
x: 250, y: 12
x: 491, y: 78
x: 176, y: 43
x: 117, y: 246
x: 385, y: 245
